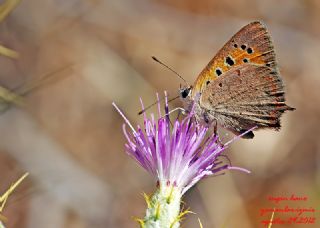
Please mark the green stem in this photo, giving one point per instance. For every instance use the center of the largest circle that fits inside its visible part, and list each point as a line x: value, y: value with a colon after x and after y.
x: 163, y: 208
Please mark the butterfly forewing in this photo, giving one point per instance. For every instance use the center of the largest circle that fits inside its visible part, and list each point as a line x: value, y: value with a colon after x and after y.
x: 251, y: 45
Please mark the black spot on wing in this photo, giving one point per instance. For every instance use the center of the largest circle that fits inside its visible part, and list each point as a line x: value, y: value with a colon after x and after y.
x: 249, y: 50
x: 218, y: 72
x: 229, y: 61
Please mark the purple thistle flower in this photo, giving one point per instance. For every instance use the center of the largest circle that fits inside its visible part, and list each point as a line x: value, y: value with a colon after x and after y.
x: 178, y: 157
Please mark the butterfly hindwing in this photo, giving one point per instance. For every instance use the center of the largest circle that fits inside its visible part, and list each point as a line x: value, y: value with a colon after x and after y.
x: 246, y: 96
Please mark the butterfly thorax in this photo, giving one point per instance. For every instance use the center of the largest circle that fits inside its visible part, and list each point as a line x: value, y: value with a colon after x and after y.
x: 191, y: 103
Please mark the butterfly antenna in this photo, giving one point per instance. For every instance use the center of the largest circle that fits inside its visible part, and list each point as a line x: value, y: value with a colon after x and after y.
x: 149, y: 106
x: 169, y: 68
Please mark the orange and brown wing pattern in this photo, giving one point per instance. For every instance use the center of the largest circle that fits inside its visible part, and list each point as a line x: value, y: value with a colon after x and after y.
x: 246, y: 96
x: 251, y: 45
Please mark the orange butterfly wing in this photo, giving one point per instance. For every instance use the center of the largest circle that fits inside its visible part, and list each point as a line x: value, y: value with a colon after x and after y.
x: 251, y: 45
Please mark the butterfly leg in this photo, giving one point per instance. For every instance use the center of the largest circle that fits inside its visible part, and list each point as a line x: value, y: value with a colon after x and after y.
x: 179, y: 113
x: 215, y: 131
x: 176, y: 109
x: 215, y: 127
x: 179, y: 109
x: 210, y: 121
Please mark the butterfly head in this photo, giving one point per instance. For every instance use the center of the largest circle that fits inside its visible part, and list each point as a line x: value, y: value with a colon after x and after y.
x: 185, y: 92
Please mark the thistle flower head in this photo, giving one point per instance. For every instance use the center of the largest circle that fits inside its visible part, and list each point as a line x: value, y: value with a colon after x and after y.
x: 179, y: 155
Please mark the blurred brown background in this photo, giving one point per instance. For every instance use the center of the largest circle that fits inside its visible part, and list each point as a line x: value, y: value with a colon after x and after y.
x: 70, y: 138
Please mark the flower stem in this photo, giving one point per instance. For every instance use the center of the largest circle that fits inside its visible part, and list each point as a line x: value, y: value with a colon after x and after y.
x: 163, y: 208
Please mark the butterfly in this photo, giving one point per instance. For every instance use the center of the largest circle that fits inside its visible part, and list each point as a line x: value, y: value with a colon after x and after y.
x: 241, y: 87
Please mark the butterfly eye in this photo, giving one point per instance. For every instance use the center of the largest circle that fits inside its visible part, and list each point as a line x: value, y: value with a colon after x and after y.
x: 185, y: 92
